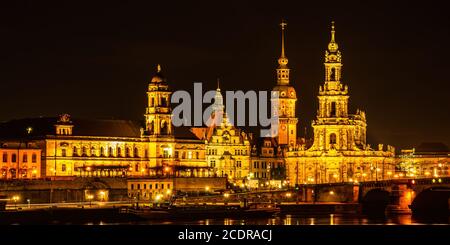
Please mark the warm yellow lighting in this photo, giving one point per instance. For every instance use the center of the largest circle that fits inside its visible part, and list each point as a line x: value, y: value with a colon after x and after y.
x: 389, y: 173
x: 34, y: 171
x: 16, y: 198
x: 88, y: 169
x: 166, y: 169
x: 396, y: 176
x: 226, y: 195
x: 439, y: 180
x: 131, y: 169
x: 29, y: 130
x: 401, y: 175
x: 206, y: 188
x: 378, y: 170
x: 364, y: 174
x: 331, y: 192
x: 427, y: 173
x: 351, y: 180
x: 168, y: 192
x: 90, y: 197
x: 142, y: 170
x: 335, y: 176
x: 288, y: 194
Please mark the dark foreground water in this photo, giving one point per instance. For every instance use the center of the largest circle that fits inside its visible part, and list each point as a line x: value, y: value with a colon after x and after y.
x: 301, y: 220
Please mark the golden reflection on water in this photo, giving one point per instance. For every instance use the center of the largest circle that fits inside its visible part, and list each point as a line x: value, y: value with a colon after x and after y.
x: 288, y: 220
x: 331, y: 219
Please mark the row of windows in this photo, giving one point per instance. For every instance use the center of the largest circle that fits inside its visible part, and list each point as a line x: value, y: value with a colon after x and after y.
x: 150, y: 186
x: 211, y: 151
x: 24, y: 158
x: 93, y: 152
x: 260, y: 175
x: 187, y: 155
x: 257, y: 164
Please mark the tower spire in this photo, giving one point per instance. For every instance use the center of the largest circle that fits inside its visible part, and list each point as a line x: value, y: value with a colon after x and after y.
x: 158, y: 68
x: 333, y: 46
x: 282, y: 61
x: 283, y: 24
x: 218, y: 83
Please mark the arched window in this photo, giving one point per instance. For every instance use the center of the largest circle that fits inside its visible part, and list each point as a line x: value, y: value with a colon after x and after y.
x: 75, y: 151
x: 110, y: 152
x: 332, y: 139
x: 333, y: 74
x: 25, y: 158
x: 119, y: 152
x: 135, y: 152
x: 13, y: 157
x: 92, y: 151
x: 333, y: 109
x: 34, y: 158
x: 127, y: 152
x: 102, y: 151
x: 164, y: 128
x: 5, y: 157
x: 83, y: 151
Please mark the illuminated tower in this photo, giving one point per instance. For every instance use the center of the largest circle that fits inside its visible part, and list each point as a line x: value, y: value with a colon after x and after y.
x: 158, y: 113
x: 287, y: 128
x: 334, y: 128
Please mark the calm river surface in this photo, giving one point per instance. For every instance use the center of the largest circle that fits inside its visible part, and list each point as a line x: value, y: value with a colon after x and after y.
x: 299, y: 220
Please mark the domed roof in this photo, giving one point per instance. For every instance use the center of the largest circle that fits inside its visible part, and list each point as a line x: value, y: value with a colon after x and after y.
x: 158, y: 77
x: 285, y: 91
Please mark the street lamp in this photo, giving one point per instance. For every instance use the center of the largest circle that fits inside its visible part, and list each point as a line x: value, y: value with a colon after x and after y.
x: 29, y: 203
x: 90, y: 197
x: 102, y: 195
x: 15, y: 199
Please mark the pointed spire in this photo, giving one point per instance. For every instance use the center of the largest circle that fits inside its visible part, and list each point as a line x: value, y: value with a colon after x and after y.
x: 283, y: 24
x: 282, y: 60
x: 218, y: 83
x: 332, y: 31
x: 158, y: 68
x: 333, y: 46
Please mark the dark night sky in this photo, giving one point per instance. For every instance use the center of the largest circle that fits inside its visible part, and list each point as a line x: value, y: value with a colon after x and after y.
x: 95, y: 60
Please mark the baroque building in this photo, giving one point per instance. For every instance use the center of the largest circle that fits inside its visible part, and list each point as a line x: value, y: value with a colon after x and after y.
x: 339, y: 152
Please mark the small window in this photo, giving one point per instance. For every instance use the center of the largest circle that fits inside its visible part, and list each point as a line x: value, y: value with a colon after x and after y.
x: 25, y: 158
x: 332, y: 138
x: 5, y: 157
x: 63, y: 152
x: 139, y: 186
x: 63, y: 167
x: 14, y: 158
x: 132, y: 186
x: 145, y: 186
x: 34, y: 158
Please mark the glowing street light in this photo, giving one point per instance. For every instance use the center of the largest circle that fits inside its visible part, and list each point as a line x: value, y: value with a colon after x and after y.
x: 15, y: 199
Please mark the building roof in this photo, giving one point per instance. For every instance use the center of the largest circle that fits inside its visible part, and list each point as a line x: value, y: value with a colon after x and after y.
x: 82, y: 127
x: 432, y: 148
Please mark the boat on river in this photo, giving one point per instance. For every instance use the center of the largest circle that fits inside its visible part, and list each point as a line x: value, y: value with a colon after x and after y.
x: 207, y: 211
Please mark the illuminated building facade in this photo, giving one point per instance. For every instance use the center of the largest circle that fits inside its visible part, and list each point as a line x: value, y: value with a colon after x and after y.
x: 20, y: 160
x: 339, y: 152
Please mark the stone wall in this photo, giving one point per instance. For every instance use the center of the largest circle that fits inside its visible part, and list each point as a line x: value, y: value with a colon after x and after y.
x: 58, y: 191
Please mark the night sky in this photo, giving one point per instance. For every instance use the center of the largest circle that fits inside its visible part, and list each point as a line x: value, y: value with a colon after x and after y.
x: 95, y: 60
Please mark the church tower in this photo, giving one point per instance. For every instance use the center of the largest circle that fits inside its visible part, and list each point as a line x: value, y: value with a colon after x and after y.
x: 334, y: 128
x: 158, y: 118
x: 287, y: 128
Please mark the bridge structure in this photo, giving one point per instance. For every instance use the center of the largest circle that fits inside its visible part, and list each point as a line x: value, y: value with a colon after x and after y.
x: 396, y: 195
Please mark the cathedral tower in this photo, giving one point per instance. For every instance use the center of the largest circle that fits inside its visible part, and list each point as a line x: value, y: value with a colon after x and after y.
x: 334, y: 128
x: 287, y: 128
x: 158, y: 118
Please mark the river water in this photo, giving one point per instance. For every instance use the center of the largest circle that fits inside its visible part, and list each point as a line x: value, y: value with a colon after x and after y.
x: 331, y: 219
